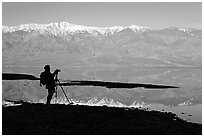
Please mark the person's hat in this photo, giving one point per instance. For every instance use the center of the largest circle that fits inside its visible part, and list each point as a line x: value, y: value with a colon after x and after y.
x: 47, y: 67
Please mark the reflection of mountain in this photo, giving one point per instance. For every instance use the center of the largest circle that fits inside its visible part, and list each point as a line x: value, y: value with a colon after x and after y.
x: 67, y: 44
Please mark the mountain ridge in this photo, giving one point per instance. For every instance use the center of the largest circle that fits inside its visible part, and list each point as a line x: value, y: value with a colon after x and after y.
x: 64, y: 27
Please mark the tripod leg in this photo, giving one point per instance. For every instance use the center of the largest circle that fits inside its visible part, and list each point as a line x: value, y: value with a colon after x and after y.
x: 56, y: 95
x: 64, y: 92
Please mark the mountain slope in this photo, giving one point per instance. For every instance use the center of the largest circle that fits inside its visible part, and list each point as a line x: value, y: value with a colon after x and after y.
x: 68, y: 44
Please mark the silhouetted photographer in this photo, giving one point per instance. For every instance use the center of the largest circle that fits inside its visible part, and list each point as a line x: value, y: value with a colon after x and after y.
x: 48, y: 79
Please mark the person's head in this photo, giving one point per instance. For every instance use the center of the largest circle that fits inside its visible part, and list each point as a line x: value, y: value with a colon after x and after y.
x: 47, y: 68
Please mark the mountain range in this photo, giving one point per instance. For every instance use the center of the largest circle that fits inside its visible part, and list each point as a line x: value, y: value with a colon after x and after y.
x: 62, y: 28
x: 65, y: 44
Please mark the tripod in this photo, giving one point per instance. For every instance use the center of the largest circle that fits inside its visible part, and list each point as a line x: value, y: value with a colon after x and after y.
x: 58, y: 82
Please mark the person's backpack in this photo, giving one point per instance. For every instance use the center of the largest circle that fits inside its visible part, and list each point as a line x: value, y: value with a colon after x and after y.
x: 43, y: 80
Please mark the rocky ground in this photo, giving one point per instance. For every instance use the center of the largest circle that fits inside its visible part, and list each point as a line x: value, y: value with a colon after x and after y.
x: 57, y: 119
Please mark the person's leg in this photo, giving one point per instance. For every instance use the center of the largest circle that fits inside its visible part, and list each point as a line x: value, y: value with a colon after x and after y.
x: 50, y: 94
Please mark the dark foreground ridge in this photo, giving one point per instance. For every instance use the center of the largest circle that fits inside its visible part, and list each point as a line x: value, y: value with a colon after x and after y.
x: 56, y: 119
x: 10, y: 76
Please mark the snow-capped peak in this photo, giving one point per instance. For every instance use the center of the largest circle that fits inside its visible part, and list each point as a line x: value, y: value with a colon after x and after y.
x: 65, y: 27
x: 138, y: 28
x: 186, y: 30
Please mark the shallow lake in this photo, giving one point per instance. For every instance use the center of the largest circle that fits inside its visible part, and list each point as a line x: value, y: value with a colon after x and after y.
x: 185, y: 101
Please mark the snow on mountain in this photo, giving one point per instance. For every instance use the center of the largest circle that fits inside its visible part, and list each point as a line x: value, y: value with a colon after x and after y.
x: 64, y: 28
x: 185, y: 30
x: 138, y: 28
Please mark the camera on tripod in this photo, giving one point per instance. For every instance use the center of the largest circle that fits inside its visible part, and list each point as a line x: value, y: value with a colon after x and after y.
x: 57, y: 70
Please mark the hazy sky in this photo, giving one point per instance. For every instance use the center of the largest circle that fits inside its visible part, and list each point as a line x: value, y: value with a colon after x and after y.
x: 156, y: 15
